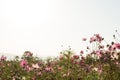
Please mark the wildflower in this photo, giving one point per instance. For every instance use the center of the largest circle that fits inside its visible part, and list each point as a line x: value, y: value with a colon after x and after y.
x: 48, y: 69
x: 28, y: 68
x: 116, y: 45
x: 92, y: 39
x: 23, y: 63
x: 28, y: 54
x: 98, y: 37
x: 76, y: 57
x: 100, y: 47
x: 3, y: 58
x: 99, y: 53
x: 81, y: 52
x: 35, y: 66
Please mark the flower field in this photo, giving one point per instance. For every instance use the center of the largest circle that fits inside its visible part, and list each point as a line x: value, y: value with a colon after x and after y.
x: 102, y: 62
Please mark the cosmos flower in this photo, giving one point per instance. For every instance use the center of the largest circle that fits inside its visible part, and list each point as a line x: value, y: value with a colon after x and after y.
x: 3, y: 58
x: 116, y: 45
x: 35, y: 66
x: 23, y: 63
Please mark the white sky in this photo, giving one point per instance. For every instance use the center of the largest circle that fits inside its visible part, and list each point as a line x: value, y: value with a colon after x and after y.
x: 42, y: 26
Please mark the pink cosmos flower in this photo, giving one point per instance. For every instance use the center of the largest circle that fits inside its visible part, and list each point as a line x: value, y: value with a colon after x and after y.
x: 96, y: 37
x: 116, y: 45
x: 3, y: 58
x: 28, y: 54
x: 23, y: 63
x: 35, y: 66
x: 99, y: 53
x: 28, y: 68
x: 81, y: 52
x: 92, y: 39
x: 48, y: 69
x: 76, y: 57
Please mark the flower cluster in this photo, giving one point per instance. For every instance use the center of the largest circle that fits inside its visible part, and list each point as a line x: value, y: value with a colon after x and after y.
x: 102, y: 63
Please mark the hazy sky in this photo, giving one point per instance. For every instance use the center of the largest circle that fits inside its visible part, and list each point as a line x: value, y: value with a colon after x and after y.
x: 42, y: 26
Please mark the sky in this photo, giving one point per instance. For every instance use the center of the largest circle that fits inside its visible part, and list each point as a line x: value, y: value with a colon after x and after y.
x: 45, y: 27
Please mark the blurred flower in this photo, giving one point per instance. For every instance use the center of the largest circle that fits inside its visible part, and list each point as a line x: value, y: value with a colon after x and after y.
x: 116, y: 45
x: 23, y: 63
x: 100, y: 47
x: 92, y: 39
x: 81, y: 52
x: 48, y: 69
x: 35, y: 66
x: 96, y: 37
x: 99, y: 52
x: 3, y: 58
x: 76, y: 56
x: 27, y: 67
x: 28, y: 54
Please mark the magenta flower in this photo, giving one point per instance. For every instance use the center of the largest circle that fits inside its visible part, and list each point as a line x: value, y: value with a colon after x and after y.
x: 28, y: 68
x: 92, y: 39
x: 81, y: 52
x: 28, y: 54
x: 3, y: 58
x: 23, y: 63
x: 96, y: 37
x: 99, y: 53
x: 116, y: 45
x: 76, y: 56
